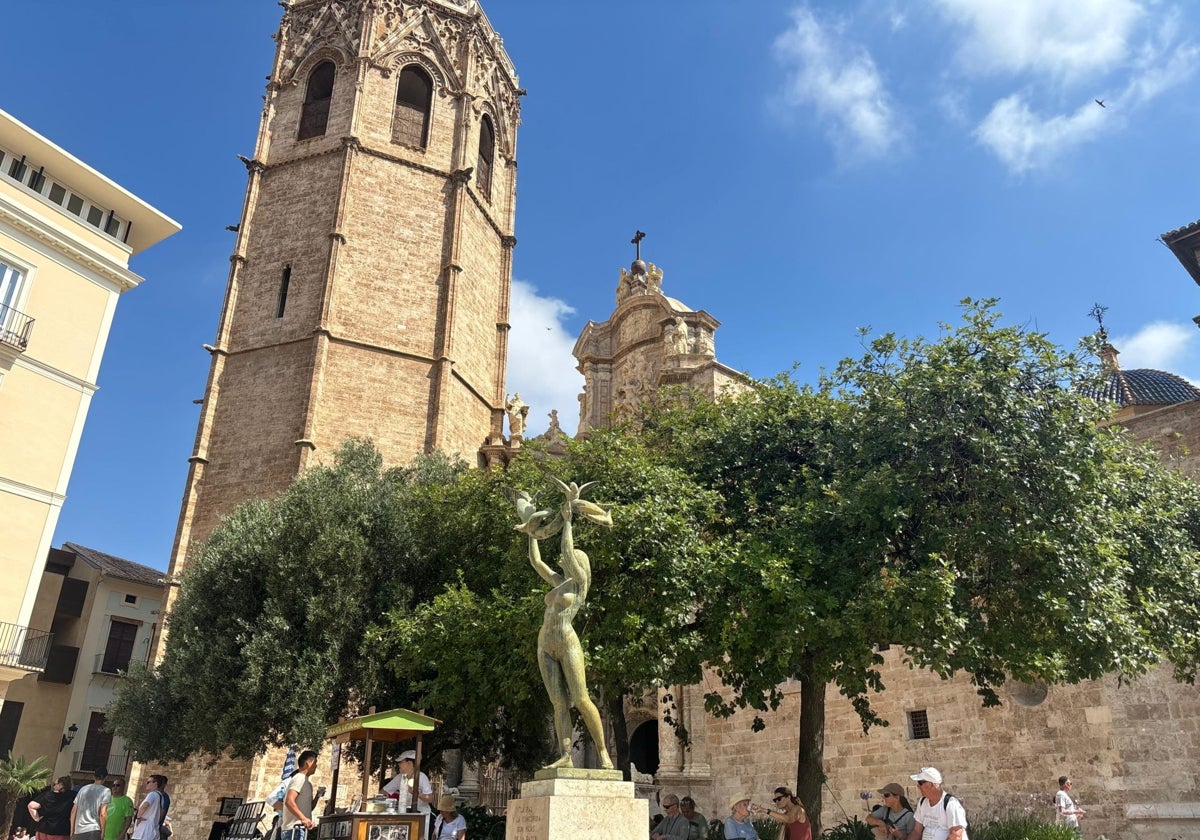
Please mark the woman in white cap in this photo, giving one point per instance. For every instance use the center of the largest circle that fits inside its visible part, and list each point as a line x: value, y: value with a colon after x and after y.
x: 449, y: 825
x: 894, y: 817
x: 401, y: 786
x: 737, y: 824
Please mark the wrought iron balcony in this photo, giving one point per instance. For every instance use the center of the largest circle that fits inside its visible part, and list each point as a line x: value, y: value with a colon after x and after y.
x: 15, y: 327
x: 24, y: 647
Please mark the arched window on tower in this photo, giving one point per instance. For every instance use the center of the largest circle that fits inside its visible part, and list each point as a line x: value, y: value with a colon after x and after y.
x: 487, y: 155
x: 414, y: 100
x: 314, y: 117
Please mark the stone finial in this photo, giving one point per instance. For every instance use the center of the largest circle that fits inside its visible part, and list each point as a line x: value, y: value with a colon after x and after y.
x: 1108, y: 357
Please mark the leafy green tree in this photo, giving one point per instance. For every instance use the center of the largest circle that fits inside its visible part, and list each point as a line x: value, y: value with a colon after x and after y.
x: 956, y: 497
x: 19, y: 778
x: 269, y: 638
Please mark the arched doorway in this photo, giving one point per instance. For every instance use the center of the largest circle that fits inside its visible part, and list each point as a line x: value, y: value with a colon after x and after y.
x: 643, y: 747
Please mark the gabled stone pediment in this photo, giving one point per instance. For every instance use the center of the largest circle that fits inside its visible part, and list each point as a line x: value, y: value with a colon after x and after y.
x: 422, y: 32
x: 335, y: 24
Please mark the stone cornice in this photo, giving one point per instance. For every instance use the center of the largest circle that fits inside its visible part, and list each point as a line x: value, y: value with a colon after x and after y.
x: 54, y: 374
x: 59, y: 242
x: 457, y: 177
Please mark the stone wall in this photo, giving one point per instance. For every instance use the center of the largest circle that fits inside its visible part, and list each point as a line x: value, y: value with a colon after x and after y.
x: 1133, y: 751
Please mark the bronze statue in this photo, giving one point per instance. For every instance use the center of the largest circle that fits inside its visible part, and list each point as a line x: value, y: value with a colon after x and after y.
x: 560, y: 655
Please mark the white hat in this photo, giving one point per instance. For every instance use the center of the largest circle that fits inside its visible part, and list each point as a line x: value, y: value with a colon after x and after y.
x: 741, y: 797
x: 407, y: 755
x: 928, y: 774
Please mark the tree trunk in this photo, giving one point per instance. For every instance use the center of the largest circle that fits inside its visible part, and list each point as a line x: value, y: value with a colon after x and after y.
x: 618, y: 750
x: 810, y: 760
x: 8, y: 804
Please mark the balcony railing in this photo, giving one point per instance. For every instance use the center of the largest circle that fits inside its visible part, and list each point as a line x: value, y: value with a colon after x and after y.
x: 15, y: 327
x: 112, y: 666
x: 24, y: 647
x: 82, y: 760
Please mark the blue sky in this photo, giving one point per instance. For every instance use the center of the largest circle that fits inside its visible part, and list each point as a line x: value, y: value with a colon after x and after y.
x: 801, y: 170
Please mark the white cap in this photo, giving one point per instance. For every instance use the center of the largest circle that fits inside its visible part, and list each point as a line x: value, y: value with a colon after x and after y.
x: 928, y: 774
x: 407, y: 755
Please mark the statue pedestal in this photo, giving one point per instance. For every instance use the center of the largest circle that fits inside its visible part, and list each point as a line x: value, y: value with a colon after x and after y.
x: 570, y: 803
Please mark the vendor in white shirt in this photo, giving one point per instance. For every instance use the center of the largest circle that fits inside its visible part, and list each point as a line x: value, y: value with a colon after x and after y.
x: 401, y: 785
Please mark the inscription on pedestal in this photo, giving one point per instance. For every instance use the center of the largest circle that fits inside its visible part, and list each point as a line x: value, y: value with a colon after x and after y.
x: 527, y: 824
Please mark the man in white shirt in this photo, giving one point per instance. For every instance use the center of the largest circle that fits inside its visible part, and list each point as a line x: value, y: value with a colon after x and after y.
x: 401, y: 786
x: 298, y: 801
x: 940, y: 816
x: 1068, y: 811
x: 153, y: 810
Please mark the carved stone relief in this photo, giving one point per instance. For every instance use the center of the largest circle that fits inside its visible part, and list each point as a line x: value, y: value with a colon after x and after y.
x: 334, y: 24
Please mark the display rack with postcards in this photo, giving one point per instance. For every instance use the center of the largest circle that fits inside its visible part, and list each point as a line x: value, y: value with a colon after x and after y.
x: 245, y: 822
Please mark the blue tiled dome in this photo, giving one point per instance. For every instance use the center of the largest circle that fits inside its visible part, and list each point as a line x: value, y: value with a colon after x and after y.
x: 1143, y: 386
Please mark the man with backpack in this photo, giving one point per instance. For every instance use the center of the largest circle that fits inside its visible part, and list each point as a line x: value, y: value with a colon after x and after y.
x: 940, y: 815
x: 152, y: 812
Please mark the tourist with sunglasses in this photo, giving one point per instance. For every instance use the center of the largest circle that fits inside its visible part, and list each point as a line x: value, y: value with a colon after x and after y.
x: 893, y: 818
x: 791, y: 815
x: 940, y: 814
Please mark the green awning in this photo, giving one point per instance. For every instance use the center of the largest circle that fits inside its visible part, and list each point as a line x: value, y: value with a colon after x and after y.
x: 393, y: 725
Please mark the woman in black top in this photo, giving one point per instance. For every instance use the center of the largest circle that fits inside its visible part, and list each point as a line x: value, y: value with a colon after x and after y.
x: 51, y: 810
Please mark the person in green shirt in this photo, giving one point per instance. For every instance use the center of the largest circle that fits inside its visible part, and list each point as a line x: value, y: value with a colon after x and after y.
x: 119, y: 813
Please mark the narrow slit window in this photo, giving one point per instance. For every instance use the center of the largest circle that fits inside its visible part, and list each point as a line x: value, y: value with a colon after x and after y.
x: 487, y: 155
x: 414, y: 101
x: 318, y: 95
x: 284, y: 282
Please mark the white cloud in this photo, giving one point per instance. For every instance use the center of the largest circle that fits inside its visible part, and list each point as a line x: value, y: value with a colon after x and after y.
x: 840, y: 81
x: 540, y: 365
x: 1064, y: 39
x: 1125, y: 58
x: 1162, y: 345
x: 1023, y: 140
x: 1160, y: 64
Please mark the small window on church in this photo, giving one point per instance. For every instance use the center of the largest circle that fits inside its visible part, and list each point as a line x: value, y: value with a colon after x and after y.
x: 414, y: 101
x: 918, y: 725
x: 284, y: 283
x: 314, y: 116
x: 487, y: 155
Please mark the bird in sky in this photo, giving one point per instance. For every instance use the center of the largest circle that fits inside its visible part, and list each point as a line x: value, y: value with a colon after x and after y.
x: 1100, y: 102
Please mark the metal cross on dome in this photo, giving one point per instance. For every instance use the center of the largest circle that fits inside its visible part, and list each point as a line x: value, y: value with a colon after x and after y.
x: 638, y: 236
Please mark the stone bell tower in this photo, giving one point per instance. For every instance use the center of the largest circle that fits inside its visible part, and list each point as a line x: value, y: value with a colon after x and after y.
x: 369, y: 286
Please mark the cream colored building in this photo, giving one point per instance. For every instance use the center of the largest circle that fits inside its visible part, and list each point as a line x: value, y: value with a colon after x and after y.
x: 66, y: 237
x: 105, y: 611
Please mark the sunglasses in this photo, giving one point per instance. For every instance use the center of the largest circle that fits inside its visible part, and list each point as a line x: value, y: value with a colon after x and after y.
x: 886, y: 795
x: 777, y: 799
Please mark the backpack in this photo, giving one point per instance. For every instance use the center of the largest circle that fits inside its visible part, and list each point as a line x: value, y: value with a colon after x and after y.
x: 164, y: 830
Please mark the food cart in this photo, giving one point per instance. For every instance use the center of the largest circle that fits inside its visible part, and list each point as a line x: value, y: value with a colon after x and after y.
x: 368, y: 820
